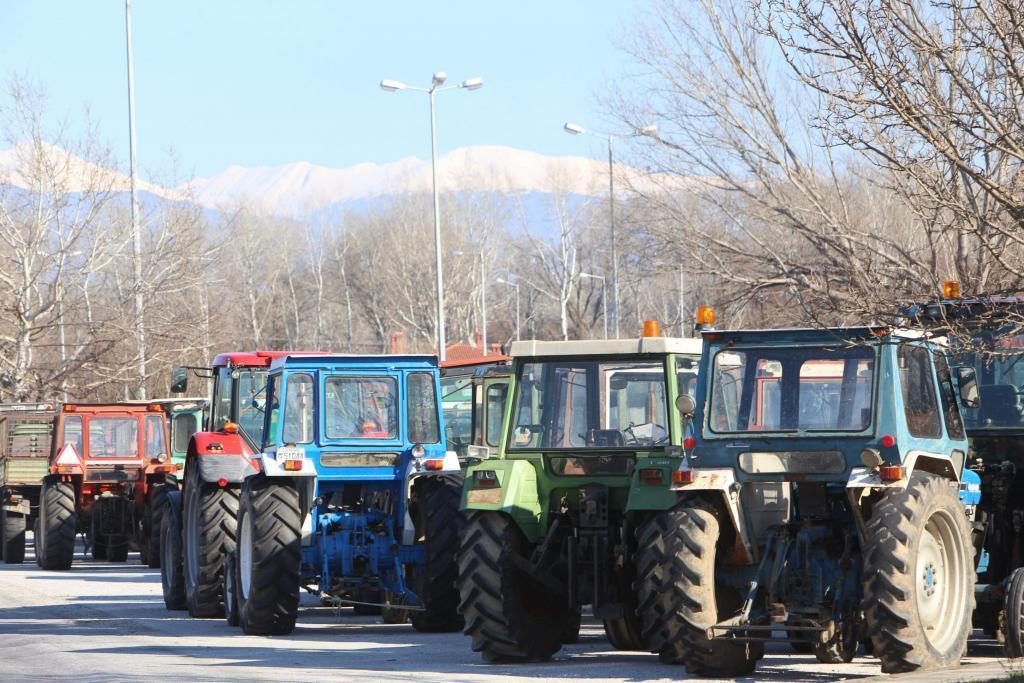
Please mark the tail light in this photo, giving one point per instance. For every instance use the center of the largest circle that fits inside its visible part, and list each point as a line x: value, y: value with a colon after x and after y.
x: 292, y: 465
x: 486, y: 479
x: 890, y: 473
x: 433, y: 464
x: 689, y: 443
x: 652, y: 475
x: 680, y: 477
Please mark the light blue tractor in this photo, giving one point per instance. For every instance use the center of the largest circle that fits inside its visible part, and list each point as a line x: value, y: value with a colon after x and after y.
x: 356, y: 499
x: 817, y: 500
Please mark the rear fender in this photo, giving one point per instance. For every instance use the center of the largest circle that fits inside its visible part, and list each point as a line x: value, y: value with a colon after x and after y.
x: 220, y: 455
x: 516, y: 494
x: 719, y: 486
x: 865, y: 481
x: 451, y: 468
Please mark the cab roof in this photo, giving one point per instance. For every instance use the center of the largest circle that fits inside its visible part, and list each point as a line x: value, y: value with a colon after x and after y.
x: 342, y: 361
x: 126, y: 407
x: 813, y: 334
x: 606, y: 347
x: 258, y: 359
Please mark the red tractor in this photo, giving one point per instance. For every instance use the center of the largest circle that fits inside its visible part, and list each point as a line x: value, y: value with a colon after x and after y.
x: 197, y: 526
x: 107, y: 473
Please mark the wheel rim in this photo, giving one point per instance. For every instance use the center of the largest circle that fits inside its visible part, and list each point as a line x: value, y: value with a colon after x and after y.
x: 939, y: 581
x: 245, y: 555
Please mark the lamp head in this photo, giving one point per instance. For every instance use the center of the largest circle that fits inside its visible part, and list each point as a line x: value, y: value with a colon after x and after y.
x: 439, y: 78
x: 472, y: 83
x: 574, y: 129
x: 392, y: 86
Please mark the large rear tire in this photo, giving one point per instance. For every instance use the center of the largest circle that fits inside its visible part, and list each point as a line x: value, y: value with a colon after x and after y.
x: 209, y: 519
x: 509, y: 616
x: 172, y: 569
x: 155, y: 504
x: 435, y: 585
x: 13, y: 529
x: 919, y: 576
x: 1013, y: 615
x: 57, y: 526
x: 679, y: 595
x: 269, y: 556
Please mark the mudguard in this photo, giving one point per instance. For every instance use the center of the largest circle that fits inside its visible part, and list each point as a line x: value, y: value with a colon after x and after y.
x: 936, y: 463
x: 719, y: 483
x: 515, y: 493
x: 221, y: 455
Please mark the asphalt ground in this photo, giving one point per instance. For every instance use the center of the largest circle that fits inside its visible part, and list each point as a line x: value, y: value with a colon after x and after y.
x: 104, y: 621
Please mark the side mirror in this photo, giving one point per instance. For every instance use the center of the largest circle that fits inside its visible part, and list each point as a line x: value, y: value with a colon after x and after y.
x: 968, y: 381
x: 686, y: 405
x: 179, y: 380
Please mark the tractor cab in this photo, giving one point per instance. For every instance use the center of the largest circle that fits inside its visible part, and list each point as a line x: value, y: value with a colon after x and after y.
x: 473, y: 401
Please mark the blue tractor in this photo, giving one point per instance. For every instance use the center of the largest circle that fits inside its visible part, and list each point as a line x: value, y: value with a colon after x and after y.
x: 985, y: 333
x: 356, y: 498
x: 817, y: 498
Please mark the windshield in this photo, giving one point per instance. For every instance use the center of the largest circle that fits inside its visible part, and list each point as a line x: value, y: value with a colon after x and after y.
x: 361, y: 407
x: 792, y: 389
x: 589, y: 404
x: 1000, y: 369
x: 457, y: 405
x: 114, y: 437
x: 252, y: 400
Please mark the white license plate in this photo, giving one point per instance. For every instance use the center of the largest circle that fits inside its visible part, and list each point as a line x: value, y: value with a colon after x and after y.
x: 290, y: 453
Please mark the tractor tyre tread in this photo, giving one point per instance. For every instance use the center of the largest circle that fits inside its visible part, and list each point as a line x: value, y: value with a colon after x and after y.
x: 155, y: 510
x: 13, y: 537
x: 1013, y: 615
x: 216, y: 515
x: 491, y: 588
x: 676, y: 566
x: 436, y: 582
x: 172, y: 568
x: 272, y: 605
x: 889, y: 603
x: 59, y: 524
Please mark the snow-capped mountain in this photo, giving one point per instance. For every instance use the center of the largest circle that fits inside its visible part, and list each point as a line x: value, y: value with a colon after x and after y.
x: 302, y: 186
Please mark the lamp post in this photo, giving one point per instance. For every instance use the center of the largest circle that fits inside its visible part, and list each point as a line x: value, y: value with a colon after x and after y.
x: 483, y: 298
x: 516, y: 285
x: 604, y: 297
x: 576, y: 129
x: 140, y: 327
x: 435, y: 87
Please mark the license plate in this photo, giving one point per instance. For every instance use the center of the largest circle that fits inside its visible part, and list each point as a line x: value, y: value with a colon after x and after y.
x: 290, y: 453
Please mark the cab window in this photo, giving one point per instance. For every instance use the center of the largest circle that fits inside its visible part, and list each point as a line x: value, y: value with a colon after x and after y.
x: 298, y: 409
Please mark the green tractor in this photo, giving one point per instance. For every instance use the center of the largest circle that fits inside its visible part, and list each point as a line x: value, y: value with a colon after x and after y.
x: 589, y: 436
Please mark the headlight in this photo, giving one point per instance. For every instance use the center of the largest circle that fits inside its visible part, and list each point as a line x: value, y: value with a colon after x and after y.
x: 418, y: 451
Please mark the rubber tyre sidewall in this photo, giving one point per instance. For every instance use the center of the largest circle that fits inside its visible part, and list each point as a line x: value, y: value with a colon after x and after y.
x: 12, y: 525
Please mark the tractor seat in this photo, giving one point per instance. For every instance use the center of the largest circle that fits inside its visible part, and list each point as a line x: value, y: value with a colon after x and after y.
x: 999, y: 405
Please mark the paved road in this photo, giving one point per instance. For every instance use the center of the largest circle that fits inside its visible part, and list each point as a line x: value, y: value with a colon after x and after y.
x: 107, y: 622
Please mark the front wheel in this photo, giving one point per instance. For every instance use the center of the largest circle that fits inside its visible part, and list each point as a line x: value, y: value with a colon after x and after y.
x: 919, y: 576
x: 269, y: 556
x: 1013, y: 615
x: 680, y: 597
x: 172, y: 570
x: 208, y: 522
x: 509, y: 615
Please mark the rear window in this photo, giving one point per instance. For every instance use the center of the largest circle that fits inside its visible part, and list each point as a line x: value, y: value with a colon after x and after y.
x: 183, y: 426
x: 922, y: 410
x: 114, y: 437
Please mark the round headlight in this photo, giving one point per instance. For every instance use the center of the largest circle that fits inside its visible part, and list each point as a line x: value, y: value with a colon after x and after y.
x: 418, y: 451
x: 871, y: 458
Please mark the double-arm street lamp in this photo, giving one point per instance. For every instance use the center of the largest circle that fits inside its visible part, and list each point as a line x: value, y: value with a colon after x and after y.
x: 604, y: 297
x: 436, y: 86
x: 575, y: 129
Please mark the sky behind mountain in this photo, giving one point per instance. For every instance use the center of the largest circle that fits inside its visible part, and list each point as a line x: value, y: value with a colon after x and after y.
x: 267, y: 83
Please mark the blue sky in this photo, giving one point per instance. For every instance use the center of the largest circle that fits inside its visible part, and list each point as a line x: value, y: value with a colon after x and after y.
x: 260, y: 82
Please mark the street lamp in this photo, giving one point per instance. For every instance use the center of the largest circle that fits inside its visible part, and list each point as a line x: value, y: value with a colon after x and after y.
x: 516, y: 285
x: 604, y: 297
x: 436, y: 83
x: 483, y: 298
x: 576, y: 129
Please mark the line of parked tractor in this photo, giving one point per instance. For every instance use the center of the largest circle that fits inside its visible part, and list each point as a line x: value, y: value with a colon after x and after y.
x: 846, y: 489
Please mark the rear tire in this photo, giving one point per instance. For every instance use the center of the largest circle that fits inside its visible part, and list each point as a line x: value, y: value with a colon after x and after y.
x: 625, y: 633
x: 269, y: 556
x: 679, y: 594
x: 117, y: 550
x: 1013, y: 615
x: 209, y: 519
x: 919, y: 576
x: 435, y: 585
x: 172, y: 570
x: 155, y: 504
x: 13, y: 529
x: 571, y: 634
x: 508, y: 616
x: 58, y: 525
